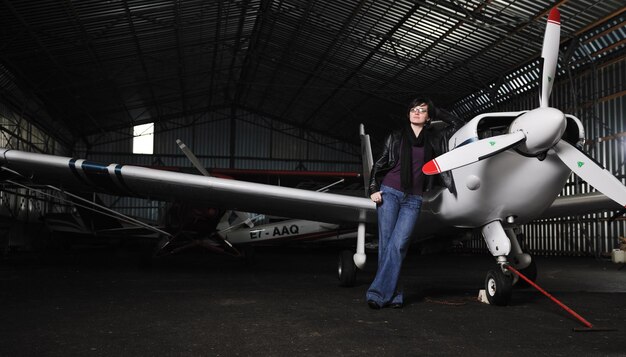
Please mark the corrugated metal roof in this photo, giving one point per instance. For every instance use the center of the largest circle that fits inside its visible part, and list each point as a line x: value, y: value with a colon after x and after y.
x: 323, y: 66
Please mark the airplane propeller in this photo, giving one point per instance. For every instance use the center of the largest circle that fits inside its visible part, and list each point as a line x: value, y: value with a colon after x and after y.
x: 585, y: 168
x: 536, y: 131
x: 550, y: 55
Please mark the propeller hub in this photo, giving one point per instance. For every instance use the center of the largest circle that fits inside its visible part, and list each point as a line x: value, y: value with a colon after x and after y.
x: 543, y: 128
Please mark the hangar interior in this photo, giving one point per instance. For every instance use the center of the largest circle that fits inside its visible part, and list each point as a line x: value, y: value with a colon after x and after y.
x: 285, y: 84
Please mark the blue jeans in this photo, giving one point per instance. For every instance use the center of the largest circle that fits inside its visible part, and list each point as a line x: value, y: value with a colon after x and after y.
x: 397, y: 215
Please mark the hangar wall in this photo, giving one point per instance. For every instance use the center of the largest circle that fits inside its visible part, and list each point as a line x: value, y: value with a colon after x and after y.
x: 20, y: 134
x: 234, y: 139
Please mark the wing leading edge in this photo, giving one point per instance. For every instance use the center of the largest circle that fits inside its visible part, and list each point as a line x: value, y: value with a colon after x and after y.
x: 163, y: 185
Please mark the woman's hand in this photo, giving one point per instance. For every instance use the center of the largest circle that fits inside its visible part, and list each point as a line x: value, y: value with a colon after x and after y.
x: 377, y: 197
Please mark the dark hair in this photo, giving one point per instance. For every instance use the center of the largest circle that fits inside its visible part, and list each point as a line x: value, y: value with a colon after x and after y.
x: 419, y: 101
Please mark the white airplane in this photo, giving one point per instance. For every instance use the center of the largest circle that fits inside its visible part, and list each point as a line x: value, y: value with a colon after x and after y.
x: 500, y: 181
x: 245, y: 230
x: 512, y: 178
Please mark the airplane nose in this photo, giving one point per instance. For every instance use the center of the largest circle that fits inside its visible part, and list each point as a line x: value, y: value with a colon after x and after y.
x: 543, y: 128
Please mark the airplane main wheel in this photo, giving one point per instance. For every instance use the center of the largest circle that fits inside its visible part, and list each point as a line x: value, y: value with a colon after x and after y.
x: 346, y: 269
x: 498, y: 286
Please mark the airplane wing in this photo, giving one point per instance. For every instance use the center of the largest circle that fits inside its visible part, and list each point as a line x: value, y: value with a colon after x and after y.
x: 163, y: 185
x: 575, y: 205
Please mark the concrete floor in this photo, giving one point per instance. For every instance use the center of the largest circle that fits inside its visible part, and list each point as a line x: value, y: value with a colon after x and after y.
x: 289, y: 303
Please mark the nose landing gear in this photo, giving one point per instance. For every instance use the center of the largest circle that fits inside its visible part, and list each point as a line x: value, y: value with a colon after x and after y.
x: 504, y: 246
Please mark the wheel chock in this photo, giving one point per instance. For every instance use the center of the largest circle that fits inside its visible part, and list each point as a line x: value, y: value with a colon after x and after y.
x: 482, y: 296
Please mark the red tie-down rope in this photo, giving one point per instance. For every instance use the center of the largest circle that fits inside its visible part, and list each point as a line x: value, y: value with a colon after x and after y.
x: 562, y: 305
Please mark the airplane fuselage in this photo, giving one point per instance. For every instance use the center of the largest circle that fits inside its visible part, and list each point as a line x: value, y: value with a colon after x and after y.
x: 291, y: 230
x: 503, y: 186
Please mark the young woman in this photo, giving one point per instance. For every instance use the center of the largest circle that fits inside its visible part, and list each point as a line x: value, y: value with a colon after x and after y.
x: 396, y: 186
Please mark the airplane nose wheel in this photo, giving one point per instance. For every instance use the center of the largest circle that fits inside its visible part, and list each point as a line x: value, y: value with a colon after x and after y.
x: 346, y: 269
x: 498, y: 286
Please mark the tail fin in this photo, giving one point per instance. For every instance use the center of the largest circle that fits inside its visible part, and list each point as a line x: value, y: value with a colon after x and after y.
x: 366, y: 156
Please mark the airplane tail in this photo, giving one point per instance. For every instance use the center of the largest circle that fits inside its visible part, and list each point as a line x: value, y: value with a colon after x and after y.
x: 366, y: 156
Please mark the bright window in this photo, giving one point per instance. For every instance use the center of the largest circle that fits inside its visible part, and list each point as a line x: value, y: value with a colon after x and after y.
x: 143, y: 139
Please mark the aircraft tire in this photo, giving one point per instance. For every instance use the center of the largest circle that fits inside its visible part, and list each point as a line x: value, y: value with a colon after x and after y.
x: 498, y: 287
x: 346, y: 269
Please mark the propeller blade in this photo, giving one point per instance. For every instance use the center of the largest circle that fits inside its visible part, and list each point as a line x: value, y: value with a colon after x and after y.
x: 588, y: 170
x: 473, y: 152
x: 550, y: 55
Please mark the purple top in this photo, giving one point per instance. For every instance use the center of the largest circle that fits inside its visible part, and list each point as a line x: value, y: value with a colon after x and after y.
x: 392, y: 178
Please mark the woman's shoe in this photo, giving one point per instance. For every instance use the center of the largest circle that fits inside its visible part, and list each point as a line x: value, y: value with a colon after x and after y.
x: 373, y: 304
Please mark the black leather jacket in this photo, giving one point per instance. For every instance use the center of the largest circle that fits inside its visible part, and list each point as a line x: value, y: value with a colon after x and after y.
x: 436, y: 143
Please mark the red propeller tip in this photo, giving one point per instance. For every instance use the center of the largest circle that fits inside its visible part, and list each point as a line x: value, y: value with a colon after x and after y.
x: 431, y: 167
x: 555, y: 16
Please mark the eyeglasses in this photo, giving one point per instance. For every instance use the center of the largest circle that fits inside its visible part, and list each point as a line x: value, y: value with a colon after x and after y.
x: 418, y: 110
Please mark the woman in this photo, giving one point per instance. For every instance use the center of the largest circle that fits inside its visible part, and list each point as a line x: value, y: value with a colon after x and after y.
x: 396, y: 186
